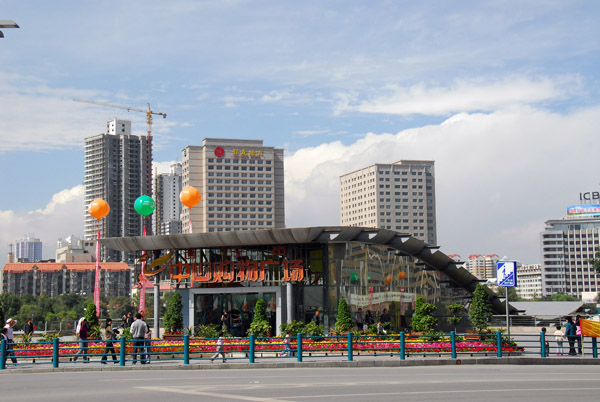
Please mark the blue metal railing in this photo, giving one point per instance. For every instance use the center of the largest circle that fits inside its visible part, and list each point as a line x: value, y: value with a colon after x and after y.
x: 252, y: 349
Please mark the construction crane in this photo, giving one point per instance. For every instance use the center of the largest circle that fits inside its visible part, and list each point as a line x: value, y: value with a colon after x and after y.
x: 149, y: 114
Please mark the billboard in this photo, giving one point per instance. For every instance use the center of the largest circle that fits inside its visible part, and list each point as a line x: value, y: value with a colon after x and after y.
x: 583, y: 210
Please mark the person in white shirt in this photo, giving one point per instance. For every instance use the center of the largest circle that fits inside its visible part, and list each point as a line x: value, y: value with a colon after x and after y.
x: 220, y: 350
x: 559, y: 337
x: 9, y: 338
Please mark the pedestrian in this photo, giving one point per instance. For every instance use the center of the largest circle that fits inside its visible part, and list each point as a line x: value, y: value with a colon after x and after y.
x: 225, y: 322
x: 148, y: 345
x: 368, y: 318
x: 380, y: 329
x: 10, y: 323
x: 316, y: 318
x: 287, y: 345
x: 578, y: 335
x: 5, y: 339
x: 559, y: 337
x: 124, y: 324
x: 129, y: 320
x: 82, y: 334
x: 546, y: 342
x: 385, y: 317
x: 110, y: 337
x: 138, y: 333
x: 28, y: 328
x: 359, y: 320
x: 220, y: 350
x: 571, y: 334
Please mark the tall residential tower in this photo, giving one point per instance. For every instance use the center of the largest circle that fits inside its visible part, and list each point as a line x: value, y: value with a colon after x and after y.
x: 398, y: 196
x: 168, y: 206
x: 116, y: 170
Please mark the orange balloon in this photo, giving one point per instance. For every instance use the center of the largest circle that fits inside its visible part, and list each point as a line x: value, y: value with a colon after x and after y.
x: 190, y: 196
x: 388, y: 279
x: 401, y: 275
x: 99, y: 208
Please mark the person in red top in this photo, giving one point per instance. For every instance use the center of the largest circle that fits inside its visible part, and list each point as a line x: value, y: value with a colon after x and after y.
x: 83, y: 342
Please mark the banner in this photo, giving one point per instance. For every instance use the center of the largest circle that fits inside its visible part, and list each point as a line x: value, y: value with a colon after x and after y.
x: 590, y: 328
x: 97, y: 280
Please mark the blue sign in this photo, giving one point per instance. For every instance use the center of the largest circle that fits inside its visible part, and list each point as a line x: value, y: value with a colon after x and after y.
x: 506, y: 273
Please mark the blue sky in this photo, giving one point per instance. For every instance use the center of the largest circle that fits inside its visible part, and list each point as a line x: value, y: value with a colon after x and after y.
x: 504, y: 96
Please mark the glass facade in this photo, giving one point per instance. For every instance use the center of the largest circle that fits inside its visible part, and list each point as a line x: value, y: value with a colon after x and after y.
x: 300, y: 279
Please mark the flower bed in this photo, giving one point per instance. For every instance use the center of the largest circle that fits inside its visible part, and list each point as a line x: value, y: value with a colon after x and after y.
x: 325, y: 344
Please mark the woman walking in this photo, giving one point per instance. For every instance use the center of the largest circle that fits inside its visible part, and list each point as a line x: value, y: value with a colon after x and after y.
x: 111, y: 336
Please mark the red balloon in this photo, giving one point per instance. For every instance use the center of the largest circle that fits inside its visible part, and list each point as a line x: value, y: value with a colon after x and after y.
x: 99, y: 208
x: 388, y: 279
x: 190, y: 196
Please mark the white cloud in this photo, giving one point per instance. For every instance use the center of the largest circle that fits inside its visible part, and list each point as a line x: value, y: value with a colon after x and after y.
x: 499, y: 176
x: 464, y: 96
x: 61, y: 217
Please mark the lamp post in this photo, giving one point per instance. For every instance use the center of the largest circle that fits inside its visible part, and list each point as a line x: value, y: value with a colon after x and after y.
x: 7, y: 24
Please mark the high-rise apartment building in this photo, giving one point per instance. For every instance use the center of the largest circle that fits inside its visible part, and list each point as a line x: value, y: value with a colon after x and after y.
x: 27, y: 249
x: 529, y: 281
x: 241, y: 182
x: 568, y: 246
x: 168, y: 206
x: 399, y: 196
x: 117, y: 170
x: 482, y: 266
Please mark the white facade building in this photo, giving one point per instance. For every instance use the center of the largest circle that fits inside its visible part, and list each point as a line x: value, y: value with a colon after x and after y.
x: 529, y: 281
x: 483, y: 266
x: 73, y: 249
x: 168, y: 206
x: 568, y: 246
x: 241, y: 183
x: 399, y: 196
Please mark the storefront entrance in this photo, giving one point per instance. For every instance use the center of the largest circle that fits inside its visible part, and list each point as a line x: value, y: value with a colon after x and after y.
x: 208, y: 305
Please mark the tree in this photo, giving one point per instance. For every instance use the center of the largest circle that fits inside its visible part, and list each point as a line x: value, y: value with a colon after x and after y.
x: 343, y: 321
x: 480, y: 312
x: 596, y: 262
x: 422, y: 320
x: 260, y: 325
x: 173, y: 319
x: 90, y: 315
x: 455, y: 309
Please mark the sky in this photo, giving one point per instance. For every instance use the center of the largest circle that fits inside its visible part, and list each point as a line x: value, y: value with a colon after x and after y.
x: 503, y: 96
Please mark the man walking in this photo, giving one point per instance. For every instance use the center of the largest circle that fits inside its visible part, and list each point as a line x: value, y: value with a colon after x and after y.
x: 9, y: 338
x: 138, y: 333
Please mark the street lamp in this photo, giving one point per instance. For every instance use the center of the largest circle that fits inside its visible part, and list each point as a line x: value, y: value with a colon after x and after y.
x: 7, y: 24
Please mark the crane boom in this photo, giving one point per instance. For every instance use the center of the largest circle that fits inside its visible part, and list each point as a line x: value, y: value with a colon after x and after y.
x: 129, y: 109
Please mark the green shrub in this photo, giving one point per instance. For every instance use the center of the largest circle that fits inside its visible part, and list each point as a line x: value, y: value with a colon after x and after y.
x: 343, y: 323
x: 207, y: 331
x: 422, y: 320
x: 295, y: 328
x: 312, y: 329
x: 173, y: 320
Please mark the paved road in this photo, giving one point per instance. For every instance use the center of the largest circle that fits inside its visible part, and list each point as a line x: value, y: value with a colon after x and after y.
x: 451, y: 383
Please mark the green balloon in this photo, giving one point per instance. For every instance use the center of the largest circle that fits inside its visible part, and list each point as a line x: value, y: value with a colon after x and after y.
x: 353, y: 277
x: 144, y: 205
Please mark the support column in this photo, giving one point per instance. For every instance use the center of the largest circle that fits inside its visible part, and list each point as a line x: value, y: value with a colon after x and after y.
x: 156, y: 330
x: 290, y: 302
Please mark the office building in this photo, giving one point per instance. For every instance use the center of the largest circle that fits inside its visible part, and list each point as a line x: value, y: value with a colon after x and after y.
x: 568, y: 246
x: 26, y: 249
x: 529, y: 281
x: 117, y: 170
x: 399, y: 196
x: 241, y: 182
x: 168, y: 206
